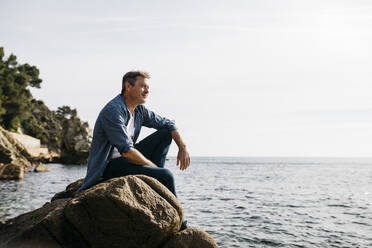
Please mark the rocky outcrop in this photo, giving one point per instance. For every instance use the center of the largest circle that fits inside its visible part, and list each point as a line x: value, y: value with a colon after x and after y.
x: 76, y: 140
x: 12, y: 171
x: 41, y: 168
x: 131, y: 211
x: 191, y: 237
x: 19, y: 110
x: 43, y: 227
x: 15, y: 159
x: 33, y: 147
x: 44, y: 125
x: 70, y: 190
x: 67, y: 137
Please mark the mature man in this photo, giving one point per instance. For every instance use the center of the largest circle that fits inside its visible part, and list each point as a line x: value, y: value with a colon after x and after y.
x: 114, y: 152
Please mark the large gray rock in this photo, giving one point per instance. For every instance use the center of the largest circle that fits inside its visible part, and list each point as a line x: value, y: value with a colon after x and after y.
x: 191, y: 238
x: 131, y: 211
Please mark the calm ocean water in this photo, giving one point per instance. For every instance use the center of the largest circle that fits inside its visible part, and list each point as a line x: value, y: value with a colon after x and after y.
x: 247, y: 202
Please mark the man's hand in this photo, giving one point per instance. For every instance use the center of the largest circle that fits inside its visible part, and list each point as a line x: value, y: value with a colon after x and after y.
x: 183, y: 158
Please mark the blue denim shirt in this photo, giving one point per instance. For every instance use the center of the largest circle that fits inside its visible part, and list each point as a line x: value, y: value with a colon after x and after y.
x: 110, y: 131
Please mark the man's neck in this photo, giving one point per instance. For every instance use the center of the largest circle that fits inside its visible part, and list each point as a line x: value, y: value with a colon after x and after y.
x: 130, y: 104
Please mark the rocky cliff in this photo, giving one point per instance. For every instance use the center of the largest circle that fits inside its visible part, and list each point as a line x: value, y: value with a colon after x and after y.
x: 62, y: 138
x: 62, y: 131
x: 76, y: 139
x: 16, y: 158
x: 130, y: 211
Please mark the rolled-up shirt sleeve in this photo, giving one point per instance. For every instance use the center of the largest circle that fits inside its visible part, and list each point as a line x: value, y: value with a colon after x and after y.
x: 114, y: 126
x: 152, y: 120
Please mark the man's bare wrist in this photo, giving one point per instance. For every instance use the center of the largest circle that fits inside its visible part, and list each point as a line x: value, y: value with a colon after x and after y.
x: 150, y: 163
x: 182, y: 147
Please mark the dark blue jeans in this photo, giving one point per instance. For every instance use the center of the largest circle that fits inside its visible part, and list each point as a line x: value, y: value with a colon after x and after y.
x: 155, y: 148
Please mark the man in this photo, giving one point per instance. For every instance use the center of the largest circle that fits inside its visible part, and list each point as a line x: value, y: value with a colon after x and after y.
x: 113, y: 152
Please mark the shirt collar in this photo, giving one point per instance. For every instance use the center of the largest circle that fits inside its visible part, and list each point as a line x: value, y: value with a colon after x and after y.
x: 121, y: 100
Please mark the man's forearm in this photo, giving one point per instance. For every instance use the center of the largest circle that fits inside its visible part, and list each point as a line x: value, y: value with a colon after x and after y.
x: 177, y: 138
x: 135, y: 157
x: 183, y: 157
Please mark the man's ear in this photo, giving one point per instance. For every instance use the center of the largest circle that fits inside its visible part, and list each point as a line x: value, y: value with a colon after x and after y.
x: 127, y: 85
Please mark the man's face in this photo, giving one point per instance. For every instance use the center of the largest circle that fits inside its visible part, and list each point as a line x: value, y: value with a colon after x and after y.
x: 139, y: 91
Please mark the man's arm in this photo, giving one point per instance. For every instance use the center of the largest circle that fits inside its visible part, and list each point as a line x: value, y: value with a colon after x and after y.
x: 135, y: 157
x: 183, y: 157
x: 153, y: 120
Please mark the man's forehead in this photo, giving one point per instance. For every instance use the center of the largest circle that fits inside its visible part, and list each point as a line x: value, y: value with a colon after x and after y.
x: 142, y: 80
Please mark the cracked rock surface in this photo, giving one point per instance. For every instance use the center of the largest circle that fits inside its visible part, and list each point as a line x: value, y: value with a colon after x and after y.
x: 130, y: 211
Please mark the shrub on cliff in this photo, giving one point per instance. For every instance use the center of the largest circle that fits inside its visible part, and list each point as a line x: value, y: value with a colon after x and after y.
x: 15, y: 97
x: 61, y: 131
x: 44, y: 125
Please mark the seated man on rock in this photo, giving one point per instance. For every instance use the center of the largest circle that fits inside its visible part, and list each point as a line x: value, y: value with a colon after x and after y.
x: 114, y: 151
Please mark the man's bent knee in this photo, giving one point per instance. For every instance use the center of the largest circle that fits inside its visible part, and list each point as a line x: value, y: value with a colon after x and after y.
x: 168, y: 175
x: 165, y: 134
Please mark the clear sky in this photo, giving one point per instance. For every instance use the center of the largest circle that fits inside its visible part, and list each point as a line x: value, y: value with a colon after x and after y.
x: 240, y: 77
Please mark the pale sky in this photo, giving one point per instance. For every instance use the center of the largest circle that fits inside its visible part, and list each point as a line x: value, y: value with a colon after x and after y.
x: 241, y: 78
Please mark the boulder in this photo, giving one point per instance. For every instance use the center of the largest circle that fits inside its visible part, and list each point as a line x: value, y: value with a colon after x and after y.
x: 11, y: 149
x: 191, y: 238
x: 130, y: 211
x: 70, y: 190
x: 41, y: 168
x: 11, y: 171
x: 43, y: 227
x: 14, y: 157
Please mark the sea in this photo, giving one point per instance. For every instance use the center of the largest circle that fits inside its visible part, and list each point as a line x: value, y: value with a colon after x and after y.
x: 246, y: 201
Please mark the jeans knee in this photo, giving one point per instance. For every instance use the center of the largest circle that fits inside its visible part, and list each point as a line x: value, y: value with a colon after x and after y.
x: 168, y: 175
x: 165, y: 135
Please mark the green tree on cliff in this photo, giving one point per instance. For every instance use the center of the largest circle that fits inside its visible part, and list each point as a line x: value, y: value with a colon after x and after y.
x: 18, y: 109
x: 15, y: 97
x: 65, y: 112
